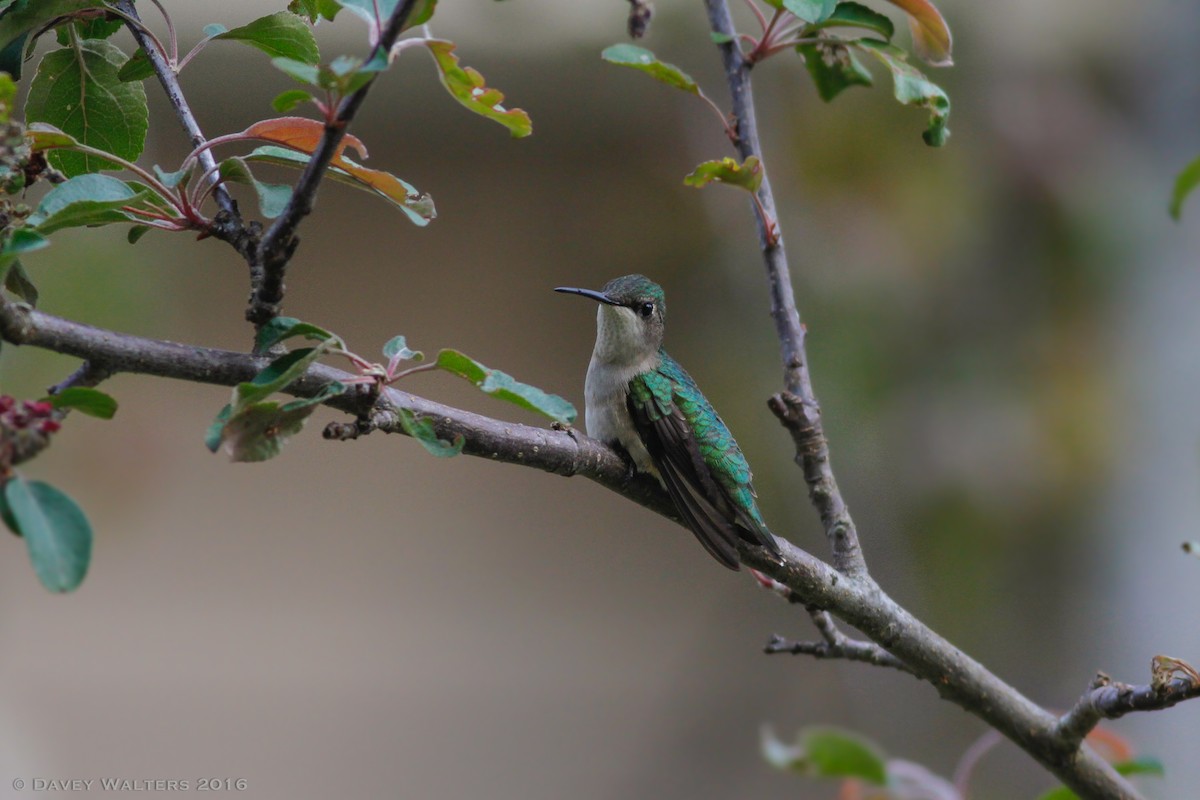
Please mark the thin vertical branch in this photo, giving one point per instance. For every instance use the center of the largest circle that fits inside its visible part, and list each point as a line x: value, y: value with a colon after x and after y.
x: 170, y: 83
x: 803, y: 413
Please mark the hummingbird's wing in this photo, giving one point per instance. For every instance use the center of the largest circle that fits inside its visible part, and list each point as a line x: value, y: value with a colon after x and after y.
x: 719, y: 508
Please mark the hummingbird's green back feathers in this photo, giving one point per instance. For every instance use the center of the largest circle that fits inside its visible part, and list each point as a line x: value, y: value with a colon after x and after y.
x: 700, y: 463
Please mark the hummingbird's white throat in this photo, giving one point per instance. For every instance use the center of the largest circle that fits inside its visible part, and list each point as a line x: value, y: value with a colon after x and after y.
x: 623, y: 339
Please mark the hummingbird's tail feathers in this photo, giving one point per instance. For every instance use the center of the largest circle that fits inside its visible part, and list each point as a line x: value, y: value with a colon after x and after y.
x: 715, y: 532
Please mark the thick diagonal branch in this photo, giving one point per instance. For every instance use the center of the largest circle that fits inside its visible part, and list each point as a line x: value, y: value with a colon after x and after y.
x: 859, y: 602
x: 279, y: 242
x: 813, y: 453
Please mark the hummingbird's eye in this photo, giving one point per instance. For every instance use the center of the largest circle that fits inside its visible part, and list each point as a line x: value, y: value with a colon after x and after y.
x: 646, y: 309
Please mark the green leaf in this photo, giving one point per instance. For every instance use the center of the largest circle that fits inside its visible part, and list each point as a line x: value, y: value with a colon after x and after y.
x: 300, y: 70
x: 92, y: 402
x: 825, y: 752
x: 417, y: 206
x: 258, y: 431
x: 26, y: 16
x: 47, y: 137
x: 810, y: 10
x: 1187, y: 180
x: 639, y: 58
x: 98, y: 28
x: 21, y: 241
x: 834, y: 68
x: 173, y: 179
x: 276, y: 376
x: 286, y: 101
x: 422, y: 430
x: 468, y: 87
x: 1141, y: 766
x: 77, y: 90
x: 137, y: 68
x: 746, y: 176
x: 912, y: 88
x: 366, y: 9
x: 137, y: 232
x: 721, y: 38
x: 282, y: 328
x: 272, y: 197
x: 856, y: 15
x: 396, y: 350
x: 12, y: 56
x: 55, y: 529
x: 6, y: 515
x: 282, y: 34
x: 16, y: 280
x: 8, y: 94
x: 503, y: 386
x: 314, y: 10
x: 212, y: 437
x: 84, y: 200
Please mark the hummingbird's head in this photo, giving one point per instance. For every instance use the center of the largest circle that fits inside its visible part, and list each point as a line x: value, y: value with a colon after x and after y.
x: 631, y: 319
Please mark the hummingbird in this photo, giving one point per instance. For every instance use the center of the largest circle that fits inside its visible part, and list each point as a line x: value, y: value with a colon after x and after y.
x: 641, y: 399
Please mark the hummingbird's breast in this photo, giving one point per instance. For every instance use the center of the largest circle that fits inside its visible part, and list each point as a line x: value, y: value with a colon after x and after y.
x: 608, y: 416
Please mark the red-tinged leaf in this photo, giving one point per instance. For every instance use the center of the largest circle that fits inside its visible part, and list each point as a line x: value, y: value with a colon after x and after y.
x: 418, y: 207
x: 931, y: 34
x: 300, y: 133
x: 746, y: 176
x: 468, y: 87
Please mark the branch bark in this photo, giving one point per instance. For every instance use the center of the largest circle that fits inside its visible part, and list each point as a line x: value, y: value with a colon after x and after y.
x: 956, y: 676
x: 812, y: 450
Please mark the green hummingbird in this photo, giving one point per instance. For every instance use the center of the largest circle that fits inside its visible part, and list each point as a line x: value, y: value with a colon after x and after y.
x: 639, y: 397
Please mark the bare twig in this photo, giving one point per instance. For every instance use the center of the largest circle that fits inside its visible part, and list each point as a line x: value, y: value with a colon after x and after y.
x: 813, y: 456
x: 170, y: 83
x: 279, y: 241
x: 835, y: 644
x: 88, y: 374
x: 1109, y: 699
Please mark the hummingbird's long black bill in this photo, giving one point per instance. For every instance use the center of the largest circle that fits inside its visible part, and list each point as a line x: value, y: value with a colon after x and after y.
x: 598, y: 296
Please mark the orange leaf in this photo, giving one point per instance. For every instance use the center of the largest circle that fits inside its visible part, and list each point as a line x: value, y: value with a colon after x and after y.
x: 1113, y: 747
x: 931, y: 34
x: 418, y: 206
x: 300, y: 133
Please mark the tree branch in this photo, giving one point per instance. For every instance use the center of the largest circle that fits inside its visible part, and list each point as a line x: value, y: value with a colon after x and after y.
x: 1109, y: 699
x: 835, y: 645
x: 170, y: 83
x: 812, y: 454
x: 279, y: 242
x: 858, y: 601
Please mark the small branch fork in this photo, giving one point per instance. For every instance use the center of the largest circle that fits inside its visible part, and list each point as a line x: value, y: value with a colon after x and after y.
x: 279, y: 242
x: 1173, y: 681
x: 170, y: 84
x: 835, y: 644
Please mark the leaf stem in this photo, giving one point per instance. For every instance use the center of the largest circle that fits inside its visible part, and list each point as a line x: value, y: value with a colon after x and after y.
x: 170, y: 31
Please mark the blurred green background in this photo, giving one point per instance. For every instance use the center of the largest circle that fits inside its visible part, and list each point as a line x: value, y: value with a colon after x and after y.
x: 1004, y: 339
